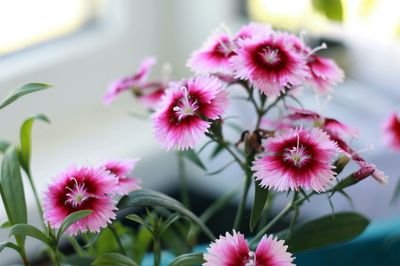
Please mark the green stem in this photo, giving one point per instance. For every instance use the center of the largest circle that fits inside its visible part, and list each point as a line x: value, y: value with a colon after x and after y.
x: 78, y: 249
x: 243, y: 200
x: 116, y: 236
x: 292, y: 204
x: 183, y: 180
x: 37, y: 199
x: 157, y: 251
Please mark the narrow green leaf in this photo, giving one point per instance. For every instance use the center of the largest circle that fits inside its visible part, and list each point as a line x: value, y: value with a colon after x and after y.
x: 4, y: 146
x: 188, y: 259
x: 21, y: 91
x: 332, y: 9
x: 396, y: 194
x: 171, y: 219
x: 11, y: 245
x: 6, y: 224
x: 28, y: 230
x: 76, y: 260
x: 327, y: 230
x: 217, y: 150
x: 114, y: 259
x: 12, y: 188
x: 222, y: 168
x: 192, y: 156
x: 71, y: 219
x: 92, y: 240
x: 260, y: 199
x: 139, y: 220
x: 150, y: 198
x: 25, y: 138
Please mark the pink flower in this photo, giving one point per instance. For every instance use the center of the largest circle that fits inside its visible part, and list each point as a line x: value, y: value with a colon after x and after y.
x: 253, y: 30
x: 324, y: 73
x: 121, y: 170
x: 269, y: 63
x: 186, y: 111
x: 330, y: 125
x: 81, y: 189
x: 214, y: 55
x: 367, y: 169
x: 233, y: 250
x: 297, y: 158
x: 134, y: 81
x: 391, y: 131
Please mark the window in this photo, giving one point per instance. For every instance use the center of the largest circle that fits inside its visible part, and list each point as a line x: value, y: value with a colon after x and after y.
x: 27, y: 23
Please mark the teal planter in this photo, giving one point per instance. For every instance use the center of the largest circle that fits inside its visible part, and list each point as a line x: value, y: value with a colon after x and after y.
x: 379, y: 245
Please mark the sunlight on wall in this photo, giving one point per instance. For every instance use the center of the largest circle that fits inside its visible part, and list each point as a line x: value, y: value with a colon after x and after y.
x: 24, y: 23
x: 375, y: 18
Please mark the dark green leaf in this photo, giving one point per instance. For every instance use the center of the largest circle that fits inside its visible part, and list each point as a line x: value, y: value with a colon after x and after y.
x: 11, y: 245
x: 114, y: 259
x: 192, y: 156
x: 142, y: 242
x: 28, y: 230
x: 20, y: 91
x: 139, y: 220
x: 25, y: 138
x: 327, y: 230
x: 188, y: 259
x: 260, y: 199
x: 332, y: 9
x: 396, y: 194
x: 12, y: 190
x: 150, y: 198
x: 76, y: 260
x: 71, y: 219
x: 4, y: 146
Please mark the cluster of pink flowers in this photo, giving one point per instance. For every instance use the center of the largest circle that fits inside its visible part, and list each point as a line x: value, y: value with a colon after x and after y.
x: 233, y: 249
x: 88, y: 188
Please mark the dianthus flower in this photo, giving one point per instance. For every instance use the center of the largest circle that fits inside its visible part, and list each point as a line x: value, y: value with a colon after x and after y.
x: 297, y: 158
x: 324, y: 73
x: 270, y: 63
x: 233, y: 250
x: 81, y: 189
x: 187, y: 110
x: 121, y: 170
x: 391, y: 131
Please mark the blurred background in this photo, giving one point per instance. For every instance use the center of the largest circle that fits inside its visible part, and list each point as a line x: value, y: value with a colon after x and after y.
x: 80, y: 46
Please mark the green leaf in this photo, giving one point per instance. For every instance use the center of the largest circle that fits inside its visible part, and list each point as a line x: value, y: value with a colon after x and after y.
x: 332, y: 9
x: 12, y: 188
x: 327, y: 230
x: 71, y: 219
x: 114, y: 259
x: 222, y: 168
x: 76, y: 260
x: 217, y: 150
x: 21, y: 91
x: 4, y: 146
x: 188, y: 259
x: 28, y: 230
x: 396, y: 193
x: 260, y: 199
x: 25, y: 138
x: 139, y: 220
x: 6, y: 224
x: 192, y: 156
x: 151, y: 198
x: 11, y: 245
x: 171, y: 219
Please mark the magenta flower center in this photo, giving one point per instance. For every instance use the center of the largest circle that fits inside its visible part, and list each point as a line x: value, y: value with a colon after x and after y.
x: 296, y: 155
x: 77, y: 194
x: 271, y: 56
x: 187, y: 106
x: 251, y: 261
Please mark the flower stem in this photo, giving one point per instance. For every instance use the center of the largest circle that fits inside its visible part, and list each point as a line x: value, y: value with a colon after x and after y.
x: 291, y: 205
x: 183, y: 180
x: 157, y: 251
x: 116, y: 236
x: 243, y: 201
